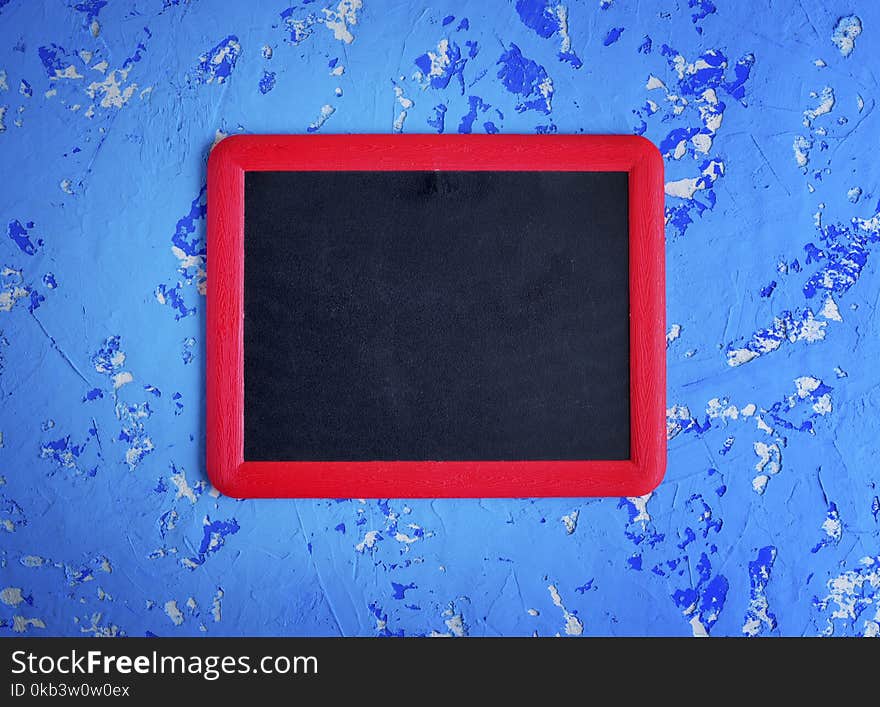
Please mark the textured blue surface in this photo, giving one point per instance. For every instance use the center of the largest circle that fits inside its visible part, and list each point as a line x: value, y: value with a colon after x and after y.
x: 768, y: 521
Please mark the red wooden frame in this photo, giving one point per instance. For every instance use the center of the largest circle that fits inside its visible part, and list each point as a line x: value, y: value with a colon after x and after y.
x: 234, y: 476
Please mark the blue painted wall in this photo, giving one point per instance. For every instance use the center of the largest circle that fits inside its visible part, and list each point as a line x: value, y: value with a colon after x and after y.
x: 768, y: 521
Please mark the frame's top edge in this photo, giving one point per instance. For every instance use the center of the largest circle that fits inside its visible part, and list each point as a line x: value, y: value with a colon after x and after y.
x: 508, y: 152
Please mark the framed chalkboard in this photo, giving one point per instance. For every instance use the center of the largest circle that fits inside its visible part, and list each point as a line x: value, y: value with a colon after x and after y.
x: 423, y: 316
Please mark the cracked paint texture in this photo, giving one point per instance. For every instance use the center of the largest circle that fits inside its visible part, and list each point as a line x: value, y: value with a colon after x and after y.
x: 768, y: 521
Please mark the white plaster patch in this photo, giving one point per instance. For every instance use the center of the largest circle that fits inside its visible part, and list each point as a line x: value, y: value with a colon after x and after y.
x: 872, y: 627
x: 801, y: 147
x: 641, y: 505
x: 11, y: 596
x: 405, y: 104
x: 369, y: 542
x: 849, y: 590
x: 68, y: 73
x: 173, y: 612
x: 216, y: 608
x: 769, y: 457
x: 697, y: 628
x: 136, y: 453
x: 562, y: 16
x: 682, y: 188
x: 229, y: 53
x: 826, y: 103
x: 833, y: 527
x: 115, y: 362
x: 440, y: 61
x: 758, y: 612
x: 184, y: 490
x: 573, y: 625
x: 340, y: 20
x: 680, y: 150
x: 111, y: 91
x: 716, y: 408
x: 769, y: 463
x: 823, y: 405
x: 326, y: 111
x: 676, y: 419
x: 845, y: 33
x: 687, y: 187
x: 455, y: 624
x: 806, y: 385
x: 546, y: 89
x: 808, y: 329
x: 702, y: 142
x: 121, y: 379
x: 738, y: 357
x: 20, y: 624
x: 410, y: 539
x: 570, y: 521
x: 830, y: 310
x: 813, y: 330
x: 13, y: 285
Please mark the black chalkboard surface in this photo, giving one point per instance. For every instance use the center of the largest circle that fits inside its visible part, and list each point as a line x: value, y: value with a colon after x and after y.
x: 422, y: 315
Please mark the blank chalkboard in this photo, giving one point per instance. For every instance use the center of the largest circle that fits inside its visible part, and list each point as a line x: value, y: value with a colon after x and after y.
x: 442, y: 315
